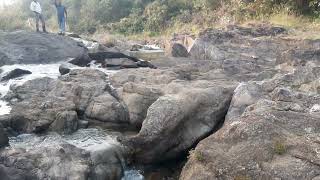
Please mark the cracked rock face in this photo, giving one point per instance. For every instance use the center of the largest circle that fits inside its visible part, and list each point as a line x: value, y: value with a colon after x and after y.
x: 42, y: 104
x: 264, y: 89
x: 86, y: 154
x: 273, y: 138
x: 271, y: 132
x: 178, y: 120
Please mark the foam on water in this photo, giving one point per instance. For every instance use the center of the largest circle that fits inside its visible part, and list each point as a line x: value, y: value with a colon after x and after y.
x: 4, y: 108
x: 87, y: 139
x: 132, y: 175
x: 38, y: 71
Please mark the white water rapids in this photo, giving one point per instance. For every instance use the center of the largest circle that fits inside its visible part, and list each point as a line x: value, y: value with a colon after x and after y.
x: 87, y: 139
x: 82, y: 138
x: 38, y: 71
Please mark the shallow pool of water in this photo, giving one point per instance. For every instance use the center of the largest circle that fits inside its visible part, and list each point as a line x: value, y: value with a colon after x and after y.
x: 87, y: 139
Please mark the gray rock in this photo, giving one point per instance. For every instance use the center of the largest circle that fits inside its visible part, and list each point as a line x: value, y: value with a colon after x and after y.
x: 65, y: 122
x: 138, y: 98
x: 245, y: 95
x: 105, y: 57
x: 178, y: 50
x: 15, y: 74
x: 271, y: 132
x: 121, y: 62
x: 87, y: 154
x: 65, y: 68
x: 57, y: 104
x: 106, y: 108
x: 36, y: 48
x: 139, y: 88
x: 83, y: 61
x: 3, y: 138
x: 176, y: 121
x: 272, y: 139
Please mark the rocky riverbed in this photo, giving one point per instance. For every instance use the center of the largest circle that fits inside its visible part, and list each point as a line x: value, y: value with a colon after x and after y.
x: 245, y: 98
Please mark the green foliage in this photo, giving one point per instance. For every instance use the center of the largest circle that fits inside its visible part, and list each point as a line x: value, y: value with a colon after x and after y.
x: 133, y: 24
x: 154, y: 16
x: 14, y: 20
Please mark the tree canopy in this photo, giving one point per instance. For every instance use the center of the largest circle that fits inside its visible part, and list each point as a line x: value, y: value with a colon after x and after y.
x: 135, y: 16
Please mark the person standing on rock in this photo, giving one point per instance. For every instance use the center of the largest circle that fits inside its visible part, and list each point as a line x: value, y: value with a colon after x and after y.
x: 62, y: 16
x: 36, y: 8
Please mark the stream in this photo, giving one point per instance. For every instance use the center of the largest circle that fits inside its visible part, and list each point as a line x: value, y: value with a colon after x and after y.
x: 87, y: 139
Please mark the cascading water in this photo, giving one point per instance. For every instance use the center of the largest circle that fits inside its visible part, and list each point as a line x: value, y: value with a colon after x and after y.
x: 38, y: 71
x: 87, y: 139
x: 90, y: 140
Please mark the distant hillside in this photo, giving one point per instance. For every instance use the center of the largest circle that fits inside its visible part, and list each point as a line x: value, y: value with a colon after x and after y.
x: 154, y: 16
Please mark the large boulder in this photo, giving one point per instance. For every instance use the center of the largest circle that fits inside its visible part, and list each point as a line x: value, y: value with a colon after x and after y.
x: 106, y: 108
x: 111, y: 59
x: 271, y: 140
x: 271, y: 132
x: 244, y: 95
x: 217, y: 44
x: 36, y: 48
x: 244, y: 53
x: 138, y: 98
x: 108, y: 58
x: 87, y: 154
x: 138, y: 89
x: 177, y: 120
x: 42, y: 104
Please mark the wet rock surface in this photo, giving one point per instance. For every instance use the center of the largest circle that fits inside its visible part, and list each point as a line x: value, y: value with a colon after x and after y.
x: 87, y: 154
x: 189, y: 116
x: 15, y: 74
x: 4, y: 141
x: 247, y: 99
x: 46, y: 103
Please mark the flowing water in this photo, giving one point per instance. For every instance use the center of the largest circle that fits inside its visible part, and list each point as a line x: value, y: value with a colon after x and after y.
x: 87, y: 139
x: 38, y: 71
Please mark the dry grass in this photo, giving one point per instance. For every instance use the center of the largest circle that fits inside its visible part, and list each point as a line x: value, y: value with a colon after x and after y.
x: 279, y: 148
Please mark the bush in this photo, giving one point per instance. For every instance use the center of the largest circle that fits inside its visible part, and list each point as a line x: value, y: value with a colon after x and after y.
x: 13, y: 20
x: 130, y: 25
x: 156, y: 16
